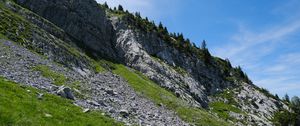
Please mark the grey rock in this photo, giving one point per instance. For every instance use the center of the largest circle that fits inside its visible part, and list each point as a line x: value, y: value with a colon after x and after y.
x: 86, y: 110
x: 48, y: 115
x: 93, y: 103
x: 65, y: 92
x: 40, y: 96
x: 82, y: 19
x: 124, y: 113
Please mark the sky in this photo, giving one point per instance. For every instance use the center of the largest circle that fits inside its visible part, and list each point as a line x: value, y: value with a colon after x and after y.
x: 261, y: 36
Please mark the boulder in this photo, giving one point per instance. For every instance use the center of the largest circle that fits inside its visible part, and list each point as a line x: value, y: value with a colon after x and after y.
x: 65, y: 92
x: 124, y: 113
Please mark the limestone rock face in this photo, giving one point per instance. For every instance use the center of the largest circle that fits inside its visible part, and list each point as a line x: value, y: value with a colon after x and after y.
x: 82, y: 19
x: 186, y: 75
x: 85, y: 24
x: 195, y: 82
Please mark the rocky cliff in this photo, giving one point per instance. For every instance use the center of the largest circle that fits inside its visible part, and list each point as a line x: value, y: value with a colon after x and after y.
x: 95, y: 56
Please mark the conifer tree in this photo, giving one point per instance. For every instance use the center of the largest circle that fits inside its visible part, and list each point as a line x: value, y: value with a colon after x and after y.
x: 105, y: 5
x: 203, y: 45
x: 120, y: 8
x: 160, y: 26
x: 286, y: 98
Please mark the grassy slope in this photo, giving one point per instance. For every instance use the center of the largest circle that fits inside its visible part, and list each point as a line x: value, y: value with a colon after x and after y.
x: 18, y: 106
x: 223, y: 109
x: 149, y: 89
x: 59, y: 79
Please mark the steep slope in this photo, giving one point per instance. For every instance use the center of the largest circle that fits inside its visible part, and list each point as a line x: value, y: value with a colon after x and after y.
x: 163, y: 83
x: 199, y: 81
x: 81, y: 19
x: 46, y: 110
x: 52, y: 62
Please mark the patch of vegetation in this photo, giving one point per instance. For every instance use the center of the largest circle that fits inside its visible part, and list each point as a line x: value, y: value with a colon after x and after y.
x: 291, y: 117
x: 13, y: 26
x: 59, y: 79
x: 225, y: 67
x: 2, y: 36
x: 159, y: 95
x: 97, y: 66
x: 223, y: 109
x: 284, y: 118
x: 180, y: 70
x: 19, y: 105
x: 228, y: 95
x: 146, y: 87
x: 241, y: 75
x: 266, y: 93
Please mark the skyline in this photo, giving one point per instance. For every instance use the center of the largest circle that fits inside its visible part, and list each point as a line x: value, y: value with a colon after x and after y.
x: 260, y: 36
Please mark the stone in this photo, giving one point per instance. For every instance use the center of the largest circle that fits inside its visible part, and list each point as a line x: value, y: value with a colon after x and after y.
x: 86, y: 110
x: 48, y: 115
x: 65, y: 92
x: 93, y: 102
x: 40, y: 96
x: 111, y: 92
x: 124, y: 113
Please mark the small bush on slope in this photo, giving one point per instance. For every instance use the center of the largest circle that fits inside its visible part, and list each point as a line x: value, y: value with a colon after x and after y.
x: 149, y: 89
x: 19, y: 105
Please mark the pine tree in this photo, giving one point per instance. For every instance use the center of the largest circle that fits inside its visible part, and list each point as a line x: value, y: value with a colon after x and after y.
x: 194, y: 45
x: 286, y: 98
x: 160, y: 26
x: 203, y: 45
x: 180, y: 37
x: 105, y: 5
x: 138, y: 15
x: 120, y: 8
x: 228, y: 63
x: 277, y: 97
x: 207, y: 56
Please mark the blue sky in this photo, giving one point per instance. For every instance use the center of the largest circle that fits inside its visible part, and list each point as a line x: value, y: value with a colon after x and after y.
x: 262, y: 36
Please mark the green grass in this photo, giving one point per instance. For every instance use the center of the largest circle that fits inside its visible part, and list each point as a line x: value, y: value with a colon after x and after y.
x: 14, y: 26
x: 284, y: 118
x: 59, y: 79
x: 223, y: 109
x: 157, y: 94
x: 97, y: 66
x: 229, y: 95
x: 2, y: 36
x: 146, y: 87
x: 18, y: 107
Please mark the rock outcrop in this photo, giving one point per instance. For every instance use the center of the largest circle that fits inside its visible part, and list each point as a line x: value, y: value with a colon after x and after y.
x: 73, y: 32
x: 81, y: 19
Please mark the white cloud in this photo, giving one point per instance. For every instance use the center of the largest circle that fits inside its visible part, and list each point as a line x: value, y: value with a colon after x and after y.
x: 253, y: 51
x: 245, y: 41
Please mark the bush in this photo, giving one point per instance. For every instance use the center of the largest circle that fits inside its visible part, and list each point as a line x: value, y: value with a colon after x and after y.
x: 284, y: 118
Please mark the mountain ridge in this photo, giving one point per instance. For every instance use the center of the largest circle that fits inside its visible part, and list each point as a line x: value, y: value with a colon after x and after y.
x: 86, y: 47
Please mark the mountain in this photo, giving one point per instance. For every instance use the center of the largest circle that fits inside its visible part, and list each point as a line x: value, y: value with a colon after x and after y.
x: 112, y: 67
